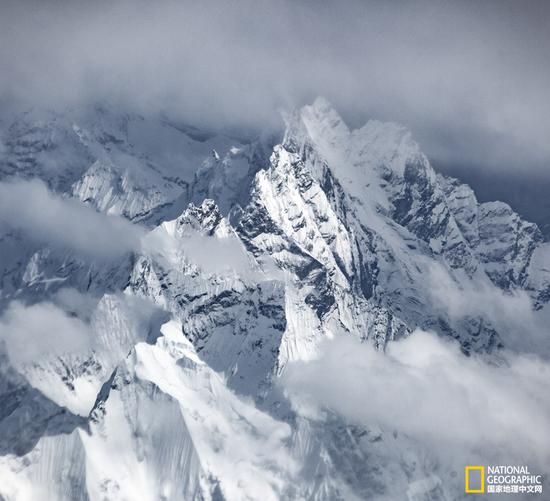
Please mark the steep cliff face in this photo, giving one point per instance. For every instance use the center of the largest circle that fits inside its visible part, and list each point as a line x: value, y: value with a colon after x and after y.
x: 253, y: 255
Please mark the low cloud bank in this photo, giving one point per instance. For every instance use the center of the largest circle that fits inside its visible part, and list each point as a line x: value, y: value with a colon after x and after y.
x: 65, y: 223
x: 424, y: 387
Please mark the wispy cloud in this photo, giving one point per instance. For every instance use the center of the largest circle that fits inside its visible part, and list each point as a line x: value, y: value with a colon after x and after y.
x: 511, y: 313
x: 65, y: 223
x: 459, y: 407
x: 40, y: 332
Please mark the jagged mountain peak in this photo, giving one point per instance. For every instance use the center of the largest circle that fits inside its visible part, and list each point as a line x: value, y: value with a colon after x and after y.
x: 204, y: 218
x: 323, y: 122
x: 374, y: 145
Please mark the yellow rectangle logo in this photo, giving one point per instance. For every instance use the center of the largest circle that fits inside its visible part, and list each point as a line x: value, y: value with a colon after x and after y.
x: 467, y: 482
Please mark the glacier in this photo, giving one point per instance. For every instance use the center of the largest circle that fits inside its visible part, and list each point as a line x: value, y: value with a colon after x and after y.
x: 255, y: 252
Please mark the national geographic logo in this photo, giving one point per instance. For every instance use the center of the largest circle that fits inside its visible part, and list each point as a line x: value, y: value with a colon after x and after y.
x: 474, y: 483
x: 501, y: 480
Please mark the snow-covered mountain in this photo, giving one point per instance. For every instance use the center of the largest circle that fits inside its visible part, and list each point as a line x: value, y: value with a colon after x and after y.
x: 254, y: 253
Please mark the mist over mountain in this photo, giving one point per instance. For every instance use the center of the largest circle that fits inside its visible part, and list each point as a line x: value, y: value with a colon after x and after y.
x: 469, y: 79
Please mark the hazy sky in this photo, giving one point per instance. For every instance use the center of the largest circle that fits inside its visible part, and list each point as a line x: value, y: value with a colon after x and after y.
x: 470, y: 78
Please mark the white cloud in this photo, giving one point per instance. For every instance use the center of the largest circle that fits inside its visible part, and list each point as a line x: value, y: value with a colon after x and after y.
x: 511, y: 313
x: 216, y: 255
x: 426, y: 388
x: 65, y: 223
x: 223, y: 255
x: 42, y: 331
